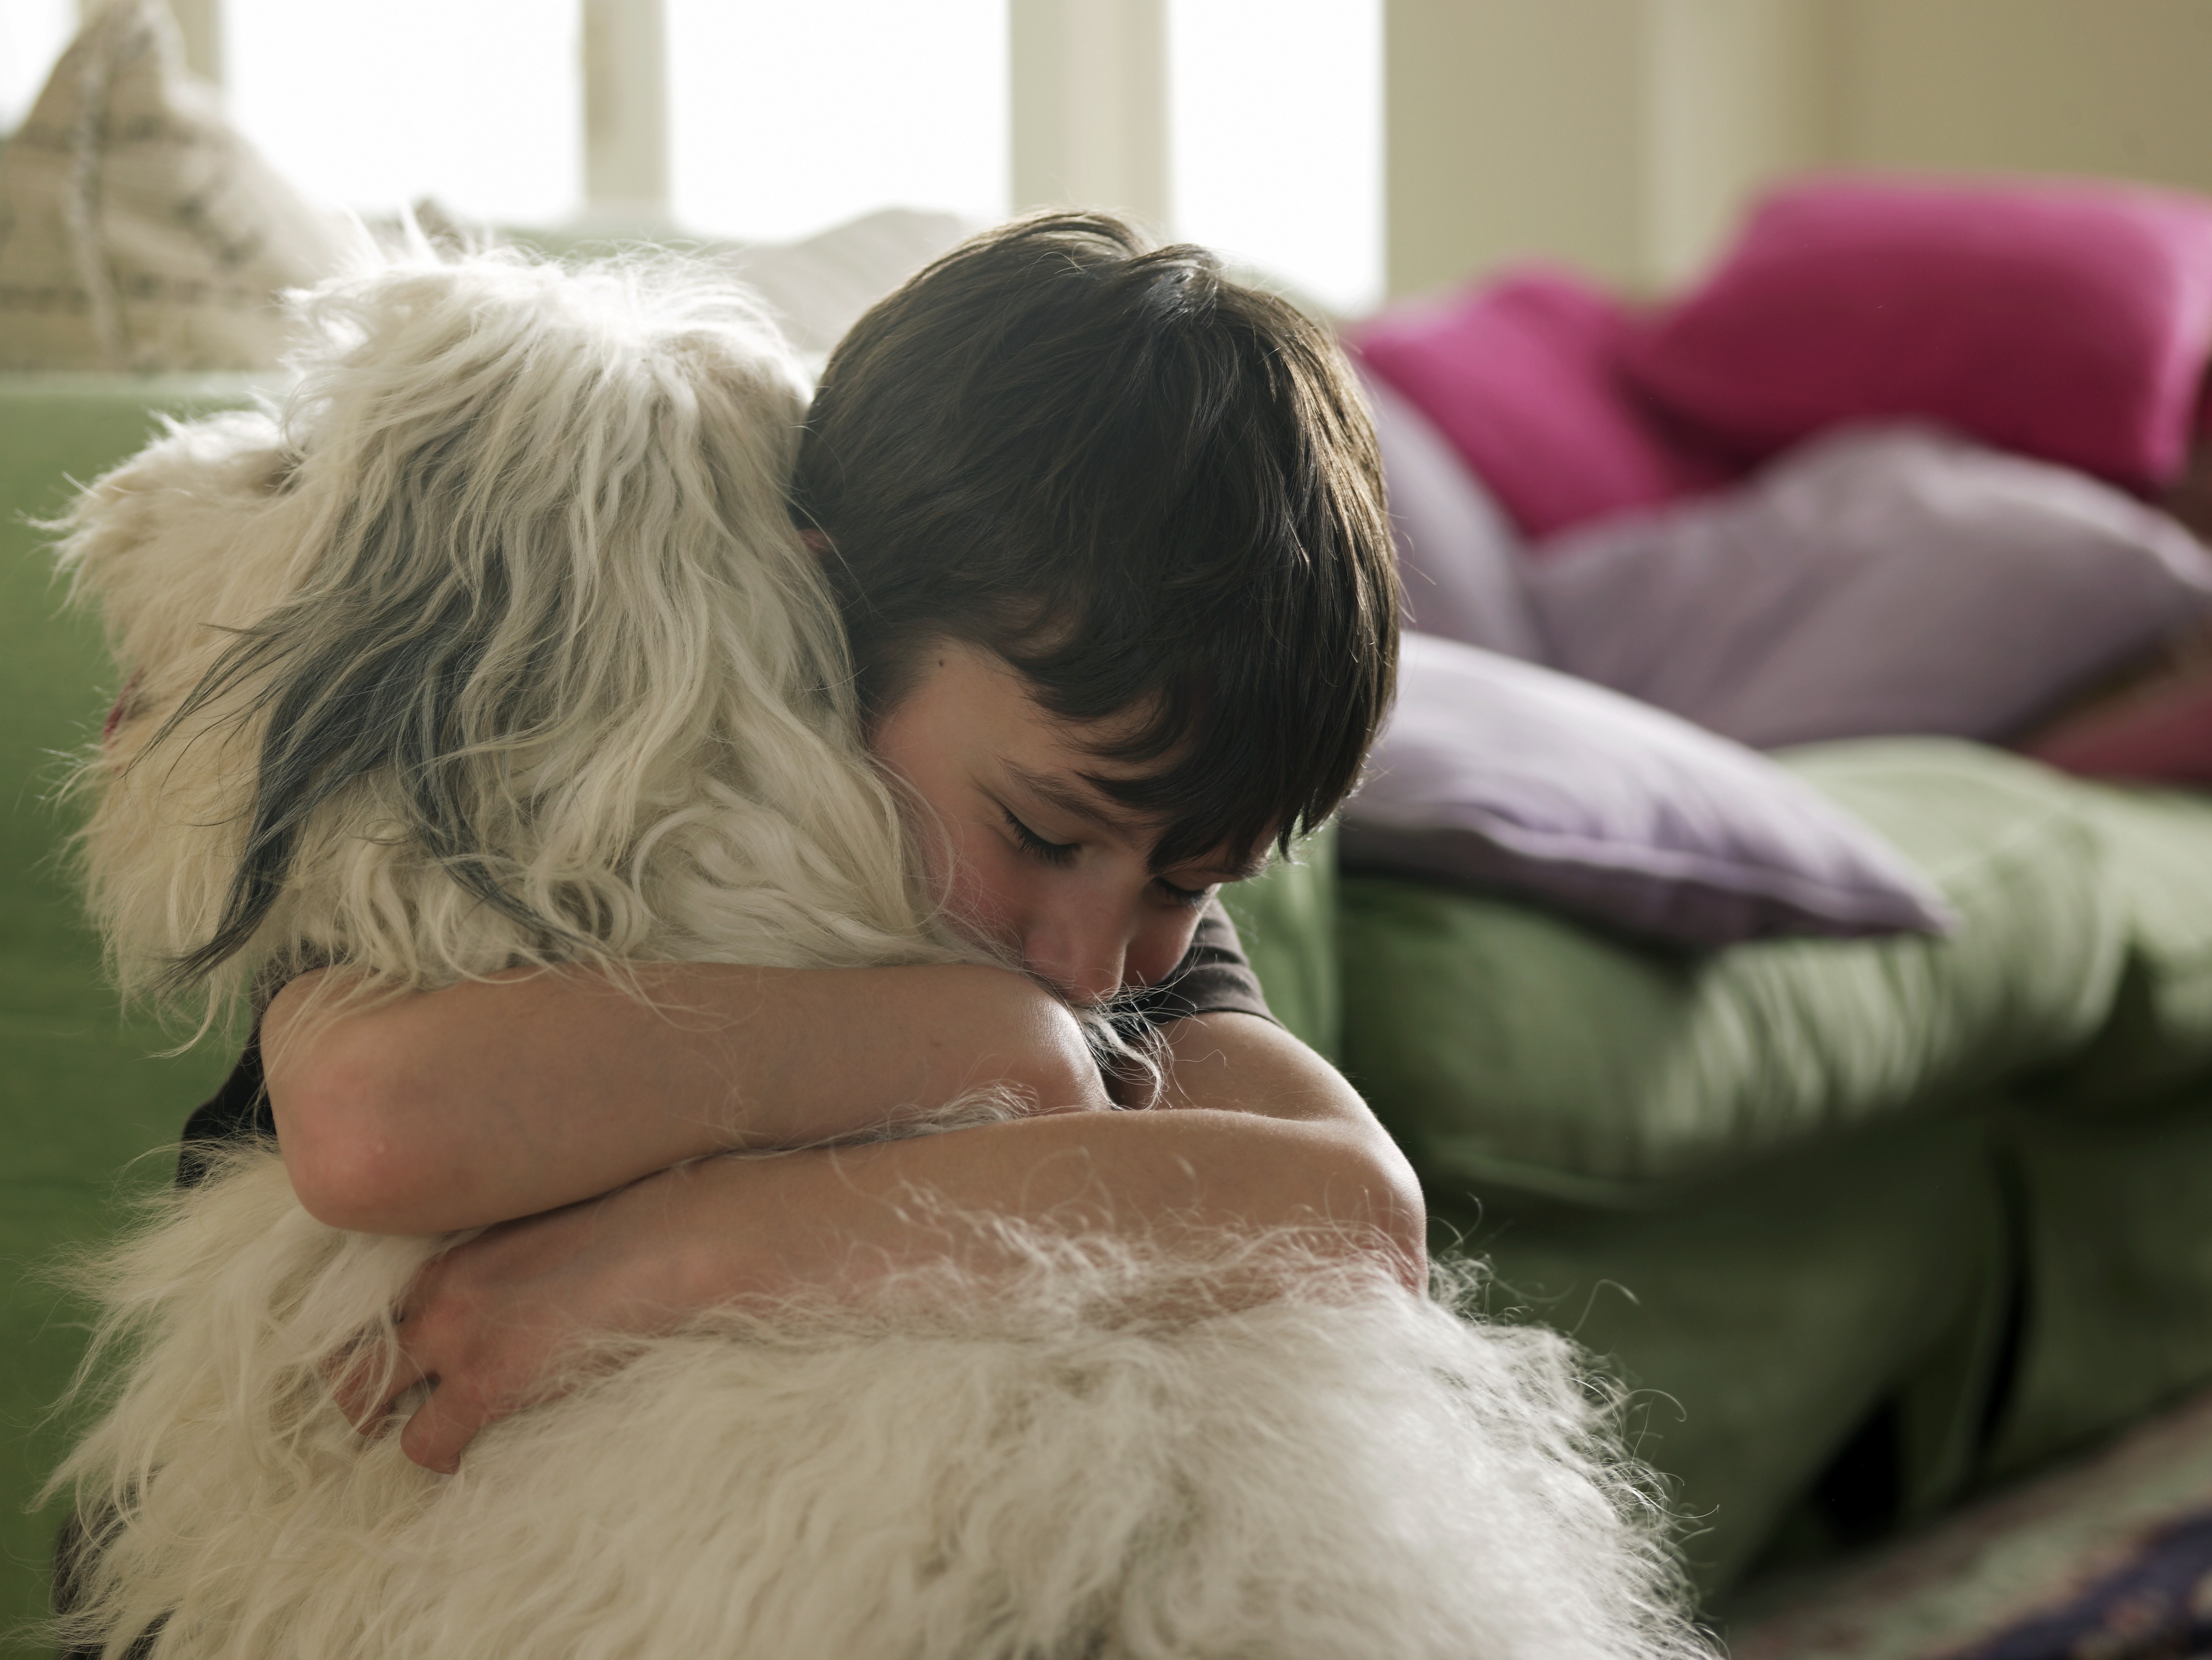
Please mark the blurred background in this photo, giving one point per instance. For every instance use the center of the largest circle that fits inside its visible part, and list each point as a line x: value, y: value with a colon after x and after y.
x: 1357, y: 149
x: 1253, y: 127
x: 1896, y: 1218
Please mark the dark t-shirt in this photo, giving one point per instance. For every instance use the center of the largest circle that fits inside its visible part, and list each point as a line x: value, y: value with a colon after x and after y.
x: 1213, y: 977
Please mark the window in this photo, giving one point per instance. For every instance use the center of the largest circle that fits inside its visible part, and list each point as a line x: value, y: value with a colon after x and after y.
x: 770, y: 119
x: 32, y: 35
x: 785, y: 118
x: 1275, y: 139
x: 478, y: 103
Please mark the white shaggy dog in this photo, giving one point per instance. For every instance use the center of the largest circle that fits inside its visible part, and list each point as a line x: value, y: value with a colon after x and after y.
x: 498, y: 648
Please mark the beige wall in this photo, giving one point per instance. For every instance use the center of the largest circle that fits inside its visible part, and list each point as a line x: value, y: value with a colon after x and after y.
x: 1510, y: 126
x: 2120, y: 87
x: 1624, y: 135
x: 1735, y: 97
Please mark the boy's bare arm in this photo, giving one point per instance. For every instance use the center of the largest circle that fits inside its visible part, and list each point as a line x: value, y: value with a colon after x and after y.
x: 501, y: 1098
x: 489, y: 1319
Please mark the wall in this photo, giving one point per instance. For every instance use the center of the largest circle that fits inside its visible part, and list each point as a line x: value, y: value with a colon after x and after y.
x: 2120, y: 87
x: 1511, y: 126
x: 1626, y: 136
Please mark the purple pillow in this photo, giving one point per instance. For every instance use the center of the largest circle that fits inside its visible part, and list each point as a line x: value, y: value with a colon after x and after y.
x: 1507, y: 776
x: 1459, y: 562
x: 2065, y: 321
x: 1881, y: 580
x: 1521, y: 376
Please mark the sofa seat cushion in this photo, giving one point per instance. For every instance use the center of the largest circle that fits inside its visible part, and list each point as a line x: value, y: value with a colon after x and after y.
x: 1759, y: 1326
x: 2115, y: 1214
x: 1506, y: 1047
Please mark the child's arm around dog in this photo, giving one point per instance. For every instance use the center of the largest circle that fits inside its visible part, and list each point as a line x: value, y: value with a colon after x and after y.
x: 488, y: 1318
x: 501, y: 1098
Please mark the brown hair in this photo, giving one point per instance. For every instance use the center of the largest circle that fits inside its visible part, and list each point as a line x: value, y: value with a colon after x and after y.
x: 1150, y: 489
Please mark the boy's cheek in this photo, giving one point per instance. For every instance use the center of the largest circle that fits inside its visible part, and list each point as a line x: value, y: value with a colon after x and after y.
x: 979, y: 896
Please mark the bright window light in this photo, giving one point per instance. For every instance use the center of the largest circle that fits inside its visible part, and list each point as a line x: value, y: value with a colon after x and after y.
x: 787, y: 118
x: 32, y: 35
x: 1275, y: 121
x: 477, y: 103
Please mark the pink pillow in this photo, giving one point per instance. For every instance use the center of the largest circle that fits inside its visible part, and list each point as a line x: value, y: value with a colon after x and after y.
x: 1519, y: 375
x: 2164, y: 735
x: 2066, y: 322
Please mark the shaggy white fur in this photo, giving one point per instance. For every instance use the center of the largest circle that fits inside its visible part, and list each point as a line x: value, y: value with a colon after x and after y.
x: 498, y: 647
x: 524, y: 665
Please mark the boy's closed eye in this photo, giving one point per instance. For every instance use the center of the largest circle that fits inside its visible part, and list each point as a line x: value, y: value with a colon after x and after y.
x: 1061, y: 854
x: 1052, y: 853
x: 1190, y: 898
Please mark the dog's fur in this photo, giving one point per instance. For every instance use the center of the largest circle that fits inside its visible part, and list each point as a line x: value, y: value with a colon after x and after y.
x: 496, y: 647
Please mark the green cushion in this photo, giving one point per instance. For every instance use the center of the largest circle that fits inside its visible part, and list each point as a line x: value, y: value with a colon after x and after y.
x: 2158, y: 859
x: 1509, y: 1048
x: 81, y: 1096
x: 1287, y: 923
x: 1758, y: 1323
x: 2113, y: 1165
x: 2116, y: 1214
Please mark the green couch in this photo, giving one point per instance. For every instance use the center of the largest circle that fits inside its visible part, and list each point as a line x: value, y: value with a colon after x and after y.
x: 1858, y: 1225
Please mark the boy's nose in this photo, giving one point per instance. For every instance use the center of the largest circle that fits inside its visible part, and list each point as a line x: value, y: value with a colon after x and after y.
x: 1086, y: 958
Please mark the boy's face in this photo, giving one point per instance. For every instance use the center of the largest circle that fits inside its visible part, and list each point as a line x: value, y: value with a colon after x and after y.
x: 1033, y: 858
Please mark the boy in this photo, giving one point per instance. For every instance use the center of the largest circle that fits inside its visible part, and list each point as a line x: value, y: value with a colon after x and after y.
x: 1108, y: 537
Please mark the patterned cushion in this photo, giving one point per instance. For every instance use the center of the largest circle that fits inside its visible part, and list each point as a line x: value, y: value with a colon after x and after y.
x: 138, y: 230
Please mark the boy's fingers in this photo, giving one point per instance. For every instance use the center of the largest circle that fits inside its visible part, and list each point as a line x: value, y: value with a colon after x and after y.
x: 441, y: 1429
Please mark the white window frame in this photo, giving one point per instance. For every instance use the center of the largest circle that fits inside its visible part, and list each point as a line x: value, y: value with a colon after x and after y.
x: 1089, y: 95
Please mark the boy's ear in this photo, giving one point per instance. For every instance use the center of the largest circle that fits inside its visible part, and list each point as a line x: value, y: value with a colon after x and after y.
x: 818, y: 542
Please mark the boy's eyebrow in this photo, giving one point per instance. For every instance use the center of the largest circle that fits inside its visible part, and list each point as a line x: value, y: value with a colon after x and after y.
x: 1076, y: 803
x: 1082, y: 804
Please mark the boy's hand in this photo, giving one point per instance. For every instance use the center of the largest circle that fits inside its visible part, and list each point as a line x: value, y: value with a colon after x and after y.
x: 488, y: 1325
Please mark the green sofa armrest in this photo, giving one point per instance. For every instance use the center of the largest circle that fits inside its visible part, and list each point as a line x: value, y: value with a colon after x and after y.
x: 83, y: 1095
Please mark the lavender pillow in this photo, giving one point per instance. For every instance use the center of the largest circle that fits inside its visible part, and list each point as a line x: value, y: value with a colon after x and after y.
x: 1878, y: 581
x: 1507, y: 776
x: 1459, y: 560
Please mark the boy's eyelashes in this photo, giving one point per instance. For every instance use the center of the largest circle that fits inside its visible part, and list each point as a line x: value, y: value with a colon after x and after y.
x: 1190, y: 898
x: 1063, y: 854
x: 1053, y: 852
